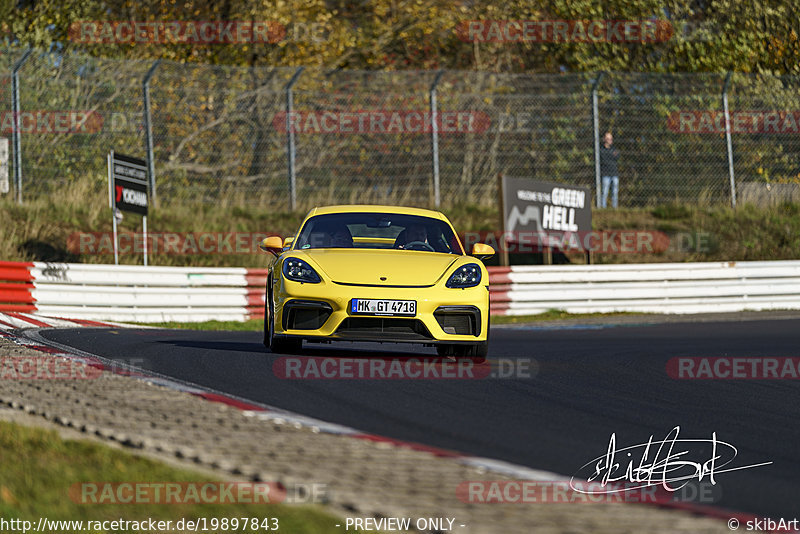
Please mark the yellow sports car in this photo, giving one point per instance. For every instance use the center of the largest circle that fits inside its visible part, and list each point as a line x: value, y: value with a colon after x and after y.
x: 377, y: 273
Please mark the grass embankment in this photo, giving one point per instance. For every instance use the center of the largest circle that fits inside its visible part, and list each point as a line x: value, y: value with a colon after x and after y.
x: 40, y: 468
x: 41, y: 229
x: 747, y: 233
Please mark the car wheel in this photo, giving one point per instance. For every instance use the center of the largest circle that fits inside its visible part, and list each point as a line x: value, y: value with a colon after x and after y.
x: 476, y: 352
x: 276, y: 344
x: 445, y: 351
x: 479, y: 352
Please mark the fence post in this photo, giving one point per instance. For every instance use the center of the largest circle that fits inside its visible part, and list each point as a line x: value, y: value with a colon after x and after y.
x: 290, y: 148
x: 148, y: 131
x: 435, y: 138
x: 596, y: 130
x: 15, y: 139
x: 728, y: 137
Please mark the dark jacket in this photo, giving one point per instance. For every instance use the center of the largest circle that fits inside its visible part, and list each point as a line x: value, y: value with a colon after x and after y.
x: 608, y: 161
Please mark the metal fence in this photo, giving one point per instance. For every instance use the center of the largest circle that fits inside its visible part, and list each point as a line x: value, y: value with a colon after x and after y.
x: 293, y: 138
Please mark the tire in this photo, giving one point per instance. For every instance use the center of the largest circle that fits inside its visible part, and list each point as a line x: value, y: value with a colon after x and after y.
x: 275, y: 344
x: 479, y: 352
x: 445, y: 351
x: 476, y: 352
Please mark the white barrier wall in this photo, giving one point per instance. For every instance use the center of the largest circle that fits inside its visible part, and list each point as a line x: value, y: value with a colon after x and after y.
x: 652, y: 287
x: 156, y: 294
x: 134, y: 293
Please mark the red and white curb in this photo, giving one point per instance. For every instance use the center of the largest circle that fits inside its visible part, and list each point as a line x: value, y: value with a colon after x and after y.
x: 33, y: 340
x: 16, y: 320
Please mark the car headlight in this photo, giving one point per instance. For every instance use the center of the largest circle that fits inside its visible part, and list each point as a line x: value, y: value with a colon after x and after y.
x: 468, y: 275
x: 299, y: 271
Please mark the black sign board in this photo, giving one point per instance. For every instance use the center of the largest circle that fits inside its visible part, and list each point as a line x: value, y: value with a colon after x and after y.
x: 545, y: 211
x: 129, y: 183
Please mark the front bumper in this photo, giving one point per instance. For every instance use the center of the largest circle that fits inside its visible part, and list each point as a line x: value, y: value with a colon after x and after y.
x: 322, y: 312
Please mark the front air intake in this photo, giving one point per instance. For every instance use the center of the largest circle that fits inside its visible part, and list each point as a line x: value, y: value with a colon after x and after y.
x: 459, y: 320
x: 305, y: 315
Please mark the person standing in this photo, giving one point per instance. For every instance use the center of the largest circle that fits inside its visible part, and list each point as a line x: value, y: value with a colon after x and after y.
x: 608, y: 170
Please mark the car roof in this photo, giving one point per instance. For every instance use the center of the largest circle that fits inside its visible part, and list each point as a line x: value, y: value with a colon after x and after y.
x: 372, y: 208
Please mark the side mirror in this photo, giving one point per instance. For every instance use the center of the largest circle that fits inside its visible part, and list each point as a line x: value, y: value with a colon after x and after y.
x: 482, y: 251
x: 273, y: 245
x: 287, y: 243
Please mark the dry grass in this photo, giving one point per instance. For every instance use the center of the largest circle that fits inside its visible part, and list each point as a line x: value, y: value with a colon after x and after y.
x: 40, y: 228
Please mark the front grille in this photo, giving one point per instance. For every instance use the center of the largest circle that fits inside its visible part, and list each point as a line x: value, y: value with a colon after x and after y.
x: 305, y: 315
x: 459, y: 320
x: 383, y: 327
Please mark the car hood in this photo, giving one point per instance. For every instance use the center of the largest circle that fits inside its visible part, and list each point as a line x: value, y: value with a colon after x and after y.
x: 368, y: 266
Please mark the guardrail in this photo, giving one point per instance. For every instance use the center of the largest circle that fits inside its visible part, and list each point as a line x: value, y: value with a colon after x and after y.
x: 131, y: 292
x: 649, y: 287
x: 156, y: 294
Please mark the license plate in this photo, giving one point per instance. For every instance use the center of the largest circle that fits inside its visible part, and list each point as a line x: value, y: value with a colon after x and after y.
x: 383, y: 307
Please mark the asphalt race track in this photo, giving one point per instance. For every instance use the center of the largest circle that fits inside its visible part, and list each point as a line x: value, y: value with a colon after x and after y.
x: 589, y: 382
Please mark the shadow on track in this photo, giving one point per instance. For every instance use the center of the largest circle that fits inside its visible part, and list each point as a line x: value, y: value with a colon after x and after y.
x: 234, y: 346
x: 351, y: 350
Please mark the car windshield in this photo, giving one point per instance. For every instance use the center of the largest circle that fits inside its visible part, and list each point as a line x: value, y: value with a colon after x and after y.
x: 378, y: 230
